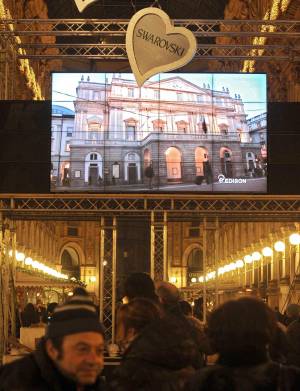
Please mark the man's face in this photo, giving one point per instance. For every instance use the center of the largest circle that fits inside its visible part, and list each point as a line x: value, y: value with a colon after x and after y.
x: 81, y: 358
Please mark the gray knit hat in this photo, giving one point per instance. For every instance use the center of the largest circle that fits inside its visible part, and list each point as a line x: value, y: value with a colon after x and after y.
x: 78, y: 315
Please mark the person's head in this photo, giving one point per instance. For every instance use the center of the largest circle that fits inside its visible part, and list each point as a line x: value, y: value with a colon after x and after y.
x: 139, y: 285
x: 75, y: 341
x: 293, y: 311
x: 133, y: 317
x: 243, y: 325
x: 167, y: 293
x: 186, y: 308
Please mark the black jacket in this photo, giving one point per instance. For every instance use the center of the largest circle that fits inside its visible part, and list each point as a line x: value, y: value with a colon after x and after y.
x: 267, y: 376
x: 161, y: 358
x: 293, y: 336
x: 36, y: 372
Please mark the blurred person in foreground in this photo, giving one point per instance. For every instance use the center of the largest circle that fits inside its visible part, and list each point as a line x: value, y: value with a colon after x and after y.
x: 169, y: 297
x: 69, y: 357
x: 293, y: 337
x: 292, y: 313
x: 159, y: 353
x: 241, y: 332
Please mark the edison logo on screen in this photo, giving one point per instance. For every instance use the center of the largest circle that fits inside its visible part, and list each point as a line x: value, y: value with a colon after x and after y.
x: 179, y: 132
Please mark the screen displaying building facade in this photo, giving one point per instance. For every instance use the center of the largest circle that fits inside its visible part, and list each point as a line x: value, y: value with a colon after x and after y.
x: 180, y: 132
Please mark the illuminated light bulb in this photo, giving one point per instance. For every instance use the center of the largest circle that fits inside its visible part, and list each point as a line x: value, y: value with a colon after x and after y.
x: 20, y: 257
x: 70, y: 294
x: 256, y: 256
x: 227, y: 268
x: 239, y: 263
x: 294, y: 239
x: 104, y: 263
x: 193, y: 279
x: 267, y: 252
x: 248, y: 258
x: 279, y: 246
x: 93, y: 279
x: 173, y: 280
x: 10, y: 253
x: 201, y: 279
x: 28, y: 261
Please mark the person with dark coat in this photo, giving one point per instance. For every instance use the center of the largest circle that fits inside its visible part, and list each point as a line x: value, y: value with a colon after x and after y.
x: 293, y: 337
x: 160, y: 354
x: 292, y: 313
x: 169, y: 297
x: 241, y: 331
x: 68, y: 358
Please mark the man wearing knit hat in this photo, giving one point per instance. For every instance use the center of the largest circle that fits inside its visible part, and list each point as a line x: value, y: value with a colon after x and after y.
x: 69, y: 357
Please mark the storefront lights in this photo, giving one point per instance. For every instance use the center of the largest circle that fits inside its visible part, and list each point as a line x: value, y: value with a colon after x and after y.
x: 279, y: 246
x: 267, y: 252
x: 173, y: 280
x: 256, y: 256
x: 294, y: 239
x: 193, y: 279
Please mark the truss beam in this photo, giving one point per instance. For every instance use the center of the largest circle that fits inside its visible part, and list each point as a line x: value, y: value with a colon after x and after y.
x: 107, y: 38
x: 229, y: 208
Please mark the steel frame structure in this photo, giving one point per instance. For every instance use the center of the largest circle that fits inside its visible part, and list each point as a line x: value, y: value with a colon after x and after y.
x: 104, y: 39
x: 93, y: 206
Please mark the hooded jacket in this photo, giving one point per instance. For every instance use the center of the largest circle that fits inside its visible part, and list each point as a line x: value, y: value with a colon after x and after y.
x: 161, y: 358
x: 36, y: 372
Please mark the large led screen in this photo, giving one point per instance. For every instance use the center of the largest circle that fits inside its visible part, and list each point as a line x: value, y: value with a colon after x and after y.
x: 180, y: 132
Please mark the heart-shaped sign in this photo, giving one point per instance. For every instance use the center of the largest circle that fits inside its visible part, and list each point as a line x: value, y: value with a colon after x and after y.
x: 154, y: 45
x: 82, y: 4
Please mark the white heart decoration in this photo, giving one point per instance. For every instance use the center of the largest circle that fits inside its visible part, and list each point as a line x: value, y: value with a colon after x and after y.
x: 154, y: 45
x: 82, y: 4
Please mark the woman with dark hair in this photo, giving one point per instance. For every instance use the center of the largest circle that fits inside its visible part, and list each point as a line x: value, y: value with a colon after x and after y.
x: 241, y: 332
x: 139, y: 285
x: 158, y: 353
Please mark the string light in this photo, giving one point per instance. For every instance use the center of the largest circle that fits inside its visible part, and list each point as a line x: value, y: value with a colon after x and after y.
x: 248, y: 259
x: 294, y: 239
x: 256, y: 256
x: 279, y: 246
x: 267, y: 252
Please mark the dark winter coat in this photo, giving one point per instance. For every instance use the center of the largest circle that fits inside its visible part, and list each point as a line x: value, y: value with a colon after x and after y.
x: 293, y: 336
x: 268, y: 376
x: 36, y: 372
x: 161, y: 358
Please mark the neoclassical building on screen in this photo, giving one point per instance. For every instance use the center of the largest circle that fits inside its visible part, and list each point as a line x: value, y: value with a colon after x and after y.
x: 181, y: 129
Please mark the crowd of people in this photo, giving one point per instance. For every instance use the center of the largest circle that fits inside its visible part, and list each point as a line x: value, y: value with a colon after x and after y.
x: 163, y: 347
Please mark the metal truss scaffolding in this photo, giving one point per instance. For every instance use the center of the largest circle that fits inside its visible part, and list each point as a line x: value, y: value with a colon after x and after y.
x: 177, y: 206
x: 105, y: 39
x: 158, y: 257
x: 107, y: 275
